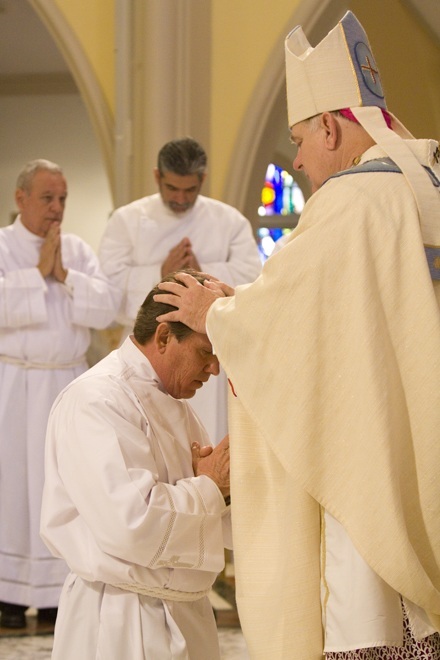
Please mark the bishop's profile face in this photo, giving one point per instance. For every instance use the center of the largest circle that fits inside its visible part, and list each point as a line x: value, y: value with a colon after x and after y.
x: 313, y: 157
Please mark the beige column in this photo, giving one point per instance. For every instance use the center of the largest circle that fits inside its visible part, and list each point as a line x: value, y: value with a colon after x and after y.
x: 163, y: 76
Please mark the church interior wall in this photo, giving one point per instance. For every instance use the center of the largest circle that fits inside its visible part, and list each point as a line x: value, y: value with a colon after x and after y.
x: 94, y: 25
x: 245, y: 41
x: 55, y: 127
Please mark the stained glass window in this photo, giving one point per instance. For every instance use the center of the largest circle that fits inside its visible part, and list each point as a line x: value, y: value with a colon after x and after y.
x: 281, y: 196
x: 267, y: 237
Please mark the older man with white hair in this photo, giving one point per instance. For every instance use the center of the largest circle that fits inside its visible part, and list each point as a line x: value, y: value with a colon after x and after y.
x: 52, y: 290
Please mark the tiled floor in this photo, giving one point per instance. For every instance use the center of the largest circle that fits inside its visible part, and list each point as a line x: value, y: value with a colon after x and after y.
x: 39, y: 648
x: 14, y: 646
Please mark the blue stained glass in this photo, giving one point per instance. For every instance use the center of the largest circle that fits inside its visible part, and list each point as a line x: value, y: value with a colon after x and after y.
x: 281, y: 195
x: 267, y: 237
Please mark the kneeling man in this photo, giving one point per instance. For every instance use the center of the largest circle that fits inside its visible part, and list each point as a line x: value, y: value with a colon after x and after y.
x: 135, y: 501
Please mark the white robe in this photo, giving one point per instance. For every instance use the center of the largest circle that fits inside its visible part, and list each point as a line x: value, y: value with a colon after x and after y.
x: 43, y: 329
x: 122, y: 506
x: 138, y: 239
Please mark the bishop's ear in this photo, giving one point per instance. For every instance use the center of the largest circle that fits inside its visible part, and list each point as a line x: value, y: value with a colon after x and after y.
x: 332, y: 130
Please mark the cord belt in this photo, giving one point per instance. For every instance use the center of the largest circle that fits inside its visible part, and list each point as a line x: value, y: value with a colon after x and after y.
x: 160, y: 592
x: 26, y: 364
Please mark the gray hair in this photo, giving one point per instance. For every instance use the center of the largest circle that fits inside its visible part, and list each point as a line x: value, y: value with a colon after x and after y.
x: 183, y: 157
x: 25, y: 178
x: 314, y: 121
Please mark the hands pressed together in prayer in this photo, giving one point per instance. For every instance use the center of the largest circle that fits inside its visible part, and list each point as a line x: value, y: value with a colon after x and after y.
x: 50, y: 255
x: 192, y: 299
x: 214, y: 463
x: 180, y: 257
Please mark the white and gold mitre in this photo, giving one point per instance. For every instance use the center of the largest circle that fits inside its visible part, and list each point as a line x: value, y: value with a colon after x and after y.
x: 340, y: 72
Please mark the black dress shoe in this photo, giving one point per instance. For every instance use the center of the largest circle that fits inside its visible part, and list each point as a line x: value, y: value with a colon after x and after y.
x: 13, y: 616
x: 47, y: 614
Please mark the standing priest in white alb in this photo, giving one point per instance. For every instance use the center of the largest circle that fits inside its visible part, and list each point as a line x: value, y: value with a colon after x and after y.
x: 334, y: 355
x: 52, y: 290
x: 173, y: 229
x: 135, y: 500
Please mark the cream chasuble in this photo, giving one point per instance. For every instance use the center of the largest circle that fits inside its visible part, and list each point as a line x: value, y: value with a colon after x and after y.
x: 334, y: 355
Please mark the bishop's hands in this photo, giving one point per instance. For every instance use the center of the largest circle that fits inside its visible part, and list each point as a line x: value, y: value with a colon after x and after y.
x: 192, y: 299
x: 180, y: 257
x: 213, y: 463
x: 50, y: 262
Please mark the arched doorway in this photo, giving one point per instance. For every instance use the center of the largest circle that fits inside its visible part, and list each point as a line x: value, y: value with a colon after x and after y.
x: 47, y: 92
x: 264, y: 136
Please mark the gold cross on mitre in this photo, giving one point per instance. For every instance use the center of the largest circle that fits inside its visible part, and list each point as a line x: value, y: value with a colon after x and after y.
x: 368, y: 67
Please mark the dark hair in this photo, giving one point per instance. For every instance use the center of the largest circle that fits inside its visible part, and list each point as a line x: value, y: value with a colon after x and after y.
x: 146, y: 323
x: 182, y: 157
